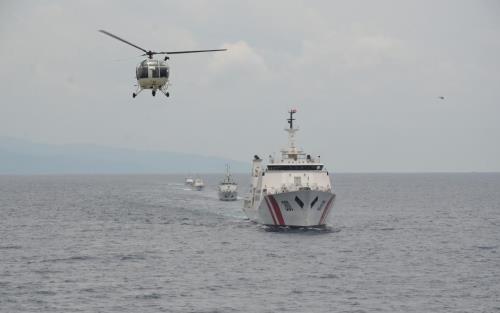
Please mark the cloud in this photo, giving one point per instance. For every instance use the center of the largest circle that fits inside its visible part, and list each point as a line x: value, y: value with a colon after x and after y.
x: 240, y: 58
x: 349, y: 51
x: 357, y: 68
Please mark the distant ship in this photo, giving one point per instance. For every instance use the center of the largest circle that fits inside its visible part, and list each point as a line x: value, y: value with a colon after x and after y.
x: 198, y: 184
x: 228, y: 189
x: 189, y: 181
x: 293, y: 191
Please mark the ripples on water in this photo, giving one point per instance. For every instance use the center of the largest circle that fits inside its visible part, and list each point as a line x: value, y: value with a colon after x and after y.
x: 395, y: 243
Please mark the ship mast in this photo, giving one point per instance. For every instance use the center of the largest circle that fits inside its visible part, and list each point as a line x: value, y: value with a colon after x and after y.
x: 228, y: 176
x: 292, y: 151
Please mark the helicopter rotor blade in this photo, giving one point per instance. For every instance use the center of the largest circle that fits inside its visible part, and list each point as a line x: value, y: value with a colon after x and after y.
x: 122, y: 40
x: 189, y: 51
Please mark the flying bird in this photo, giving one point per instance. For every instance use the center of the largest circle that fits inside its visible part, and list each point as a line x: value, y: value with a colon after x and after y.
x: 441, y: 97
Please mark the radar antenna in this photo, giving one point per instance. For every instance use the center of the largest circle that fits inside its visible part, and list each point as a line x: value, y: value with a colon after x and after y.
x: 292, y: 151
x: 291, y: 119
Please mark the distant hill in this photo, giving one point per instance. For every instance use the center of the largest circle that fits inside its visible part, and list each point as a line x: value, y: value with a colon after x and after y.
x: 24, y: 157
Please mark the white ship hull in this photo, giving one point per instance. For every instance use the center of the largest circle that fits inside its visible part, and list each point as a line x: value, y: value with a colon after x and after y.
x: 228, y: 192
x: 304, y: 208
x: 228, y: 195
x: 198, y: 187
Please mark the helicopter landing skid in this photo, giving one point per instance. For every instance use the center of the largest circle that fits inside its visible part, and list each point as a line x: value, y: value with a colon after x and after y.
x: 138, y: 91
x: 164, y: 91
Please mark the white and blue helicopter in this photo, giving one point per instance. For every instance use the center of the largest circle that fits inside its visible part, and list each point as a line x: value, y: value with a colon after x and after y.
x: 153, y: 73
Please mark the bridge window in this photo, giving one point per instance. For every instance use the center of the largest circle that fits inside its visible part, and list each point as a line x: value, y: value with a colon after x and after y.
x: 299, y: 167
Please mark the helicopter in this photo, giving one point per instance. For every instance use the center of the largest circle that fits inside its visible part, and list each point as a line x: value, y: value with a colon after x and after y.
x: 153, y: 73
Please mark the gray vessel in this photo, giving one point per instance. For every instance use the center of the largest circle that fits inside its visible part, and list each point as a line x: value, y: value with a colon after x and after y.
x: 228, y: 188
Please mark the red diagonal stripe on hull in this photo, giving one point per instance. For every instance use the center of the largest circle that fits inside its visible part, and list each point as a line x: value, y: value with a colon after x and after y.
x: 330, y: 204
x: 323, y: 216
x: 270, y: 211
x: 277, y: 210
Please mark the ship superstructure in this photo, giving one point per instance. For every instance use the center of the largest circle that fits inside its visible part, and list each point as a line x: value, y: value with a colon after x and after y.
x: 293, y: 190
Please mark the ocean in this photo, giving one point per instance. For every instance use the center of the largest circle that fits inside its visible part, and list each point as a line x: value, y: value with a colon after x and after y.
x: 146, y: 243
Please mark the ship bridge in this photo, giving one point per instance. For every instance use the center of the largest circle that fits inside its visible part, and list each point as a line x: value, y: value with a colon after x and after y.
x: 294, y: 170
x: 292, y: 158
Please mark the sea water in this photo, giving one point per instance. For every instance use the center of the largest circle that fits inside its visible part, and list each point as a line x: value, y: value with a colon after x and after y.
x: 147, y: 243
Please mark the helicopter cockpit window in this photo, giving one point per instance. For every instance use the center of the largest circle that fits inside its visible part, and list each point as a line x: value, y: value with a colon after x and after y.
x: 142, y: 72
x: 163, y: 71
x: 156, y: 71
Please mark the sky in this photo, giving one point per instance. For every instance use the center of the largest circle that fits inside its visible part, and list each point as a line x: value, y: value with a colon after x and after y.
x: 365, y: 76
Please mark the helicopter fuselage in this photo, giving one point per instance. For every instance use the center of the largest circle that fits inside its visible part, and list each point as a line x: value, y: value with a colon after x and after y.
x: 152, y: 74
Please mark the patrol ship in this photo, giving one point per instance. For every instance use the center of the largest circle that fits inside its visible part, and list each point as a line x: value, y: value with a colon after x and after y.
x: 189, y: 181
x: 228, y: 188
x: 198, y: 184
x: 294, y: 190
